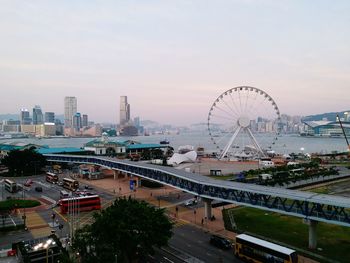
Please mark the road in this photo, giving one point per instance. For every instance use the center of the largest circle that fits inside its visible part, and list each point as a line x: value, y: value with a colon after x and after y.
x: 188, y: 244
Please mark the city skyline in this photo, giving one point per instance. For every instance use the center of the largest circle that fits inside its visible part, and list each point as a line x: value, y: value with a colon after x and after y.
x: 173, y: 59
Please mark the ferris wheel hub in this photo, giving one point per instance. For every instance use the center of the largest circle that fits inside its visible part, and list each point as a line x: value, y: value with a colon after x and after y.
x: 243, y: 122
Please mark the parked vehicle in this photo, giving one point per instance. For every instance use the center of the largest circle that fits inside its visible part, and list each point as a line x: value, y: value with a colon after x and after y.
x: 220, y: 242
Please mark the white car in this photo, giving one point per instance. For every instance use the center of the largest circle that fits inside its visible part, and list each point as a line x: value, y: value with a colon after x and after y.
x: 191, y: 202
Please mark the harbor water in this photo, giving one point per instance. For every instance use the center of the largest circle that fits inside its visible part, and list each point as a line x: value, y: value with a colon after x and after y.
x: 284, y: 144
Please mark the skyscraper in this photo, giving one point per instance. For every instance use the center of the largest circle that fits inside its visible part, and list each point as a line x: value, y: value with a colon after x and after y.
x: 70, y: 109
x: 85, y: 121
x: 25, y: 117
x: 38, y: 117
x: 77, y: 121
x: 124, y: 110
x: 50, y: 117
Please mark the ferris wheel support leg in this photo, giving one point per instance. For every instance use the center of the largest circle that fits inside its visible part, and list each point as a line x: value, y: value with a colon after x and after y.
x: 255, y: 142
x: 228, y: 145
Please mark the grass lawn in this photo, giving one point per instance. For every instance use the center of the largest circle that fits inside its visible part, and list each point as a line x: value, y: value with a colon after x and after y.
x: 19, y: 203
x: 333, y: 240
x: 221, y: 177
x: 320, y: 190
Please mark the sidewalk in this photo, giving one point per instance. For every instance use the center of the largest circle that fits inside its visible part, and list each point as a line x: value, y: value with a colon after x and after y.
x: 120, y: 187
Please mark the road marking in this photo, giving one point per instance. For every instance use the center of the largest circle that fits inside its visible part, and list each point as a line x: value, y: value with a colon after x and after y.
x: 168, y: 259
x: 48, y: 199
x: 13, y: 221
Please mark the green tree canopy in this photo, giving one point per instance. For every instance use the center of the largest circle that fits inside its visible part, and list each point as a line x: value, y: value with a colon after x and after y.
x: 128, y: 229
x: 24, y: 162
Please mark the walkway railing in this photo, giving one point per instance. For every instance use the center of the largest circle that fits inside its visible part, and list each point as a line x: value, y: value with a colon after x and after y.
x: 319, y: 207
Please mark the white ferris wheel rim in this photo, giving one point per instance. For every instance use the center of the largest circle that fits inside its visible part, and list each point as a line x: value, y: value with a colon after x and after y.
x: 241, y: 121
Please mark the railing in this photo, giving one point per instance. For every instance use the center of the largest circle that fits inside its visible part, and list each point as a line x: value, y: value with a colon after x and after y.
x: 200, y: 186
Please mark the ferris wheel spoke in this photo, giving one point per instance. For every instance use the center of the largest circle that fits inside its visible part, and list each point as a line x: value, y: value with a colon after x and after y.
x: 233, y: 111
x: 234, y: 104
x: 253, y: 103
x: 246, y: 101
x: 228, y: 145
x: 255, y: 109
x: 222, y: 117
x: 240, y: 101
x: 224, y: 111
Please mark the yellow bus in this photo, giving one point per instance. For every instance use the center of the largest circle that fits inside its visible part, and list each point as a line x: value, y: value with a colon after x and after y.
x: 252, y: 249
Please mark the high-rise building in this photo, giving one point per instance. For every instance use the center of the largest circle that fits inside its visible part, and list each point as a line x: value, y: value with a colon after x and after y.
x: 70, y: 109
x: 77, y: 121
x: 124, y: 110
x: 25, y: 117
x: 38, y: 117
x: 85, y: 121
x: 50, y: 117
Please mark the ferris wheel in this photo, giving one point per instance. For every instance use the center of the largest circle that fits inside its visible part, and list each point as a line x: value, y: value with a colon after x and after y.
x: 243, y: 122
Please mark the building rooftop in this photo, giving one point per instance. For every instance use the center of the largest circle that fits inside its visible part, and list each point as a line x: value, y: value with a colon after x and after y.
x: 145, y: 146
x: 60, y: 150
x: 314, y: 124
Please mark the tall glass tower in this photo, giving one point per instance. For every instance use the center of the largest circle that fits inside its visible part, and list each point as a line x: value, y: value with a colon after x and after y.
x: 38, y: 117
x: 124, y: 110
x: 70, y: 109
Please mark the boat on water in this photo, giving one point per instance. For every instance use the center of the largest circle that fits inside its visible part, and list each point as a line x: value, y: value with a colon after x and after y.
x: 164, y: 142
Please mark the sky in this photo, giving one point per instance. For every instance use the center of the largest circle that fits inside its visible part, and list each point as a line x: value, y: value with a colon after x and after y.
x: 173, y: 58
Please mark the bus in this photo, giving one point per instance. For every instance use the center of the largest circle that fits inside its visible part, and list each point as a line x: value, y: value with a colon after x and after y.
x: 10, y: 186
x: 81, y: 204
x: 70, y: 184
x: 252, y: 249
x: 52, y: 178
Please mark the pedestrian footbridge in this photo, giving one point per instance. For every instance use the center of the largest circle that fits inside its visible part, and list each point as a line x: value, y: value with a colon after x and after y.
x: 310, y: 206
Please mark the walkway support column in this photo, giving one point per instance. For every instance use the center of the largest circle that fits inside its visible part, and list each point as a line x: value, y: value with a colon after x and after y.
x: 207, y: 207
x: 312, y: 234
x: 115, y: 174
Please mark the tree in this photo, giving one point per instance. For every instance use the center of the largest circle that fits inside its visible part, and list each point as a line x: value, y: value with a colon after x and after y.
x: 127, y: 230
x: 24, y: 162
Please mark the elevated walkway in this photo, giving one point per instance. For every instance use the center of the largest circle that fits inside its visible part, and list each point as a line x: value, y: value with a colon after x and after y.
x: 310, y: 206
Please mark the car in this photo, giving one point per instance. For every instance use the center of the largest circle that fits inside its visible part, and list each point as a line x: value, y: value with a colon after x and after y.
x: 28, y: 183
x: 38, y: 189
x: 60, y: 183
x: 220, y: 242
x: 88, y: 187
x: 191, y: 202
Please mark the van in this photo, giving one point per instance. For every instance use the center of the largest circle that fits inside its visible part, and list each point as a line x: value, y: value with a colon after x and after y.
x: 64, y: 194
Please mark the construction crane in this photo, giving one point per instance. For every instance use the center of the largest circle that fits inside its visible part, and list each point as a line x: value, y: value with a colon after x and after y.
x: 346, y: 138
